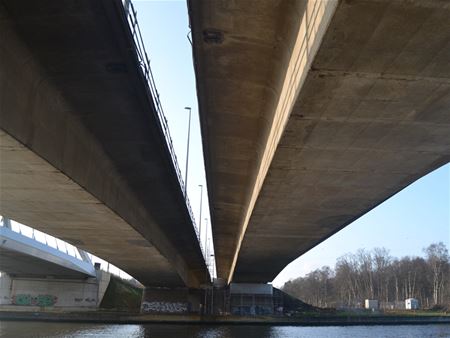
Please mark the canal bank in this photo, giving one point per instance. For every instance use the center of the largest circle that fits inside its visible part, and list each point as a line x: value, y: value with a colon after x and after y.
x: 306, y: 320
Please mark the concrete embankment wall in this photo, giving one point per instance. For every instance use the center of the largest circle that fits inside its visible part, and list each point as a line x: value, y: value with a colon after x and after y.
x: 50, y: 292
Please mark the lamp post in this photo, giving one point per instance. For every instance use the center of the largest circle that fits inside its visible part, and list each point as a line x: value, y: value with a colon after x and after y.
x: 212, y: 290
x: 200, y: 218
x: 187, y: 153
x: 206, y: 262
x: 206, y: 244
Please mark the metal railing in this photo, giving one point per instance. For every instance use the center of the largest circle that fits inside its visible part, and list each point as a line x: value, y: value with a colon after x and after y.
x: 144, y: 63
x: 62, y: 246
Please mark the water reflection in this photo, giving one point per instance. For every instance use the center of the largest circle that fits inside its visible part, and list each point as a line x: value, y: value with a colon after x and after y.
x: 72, y: 330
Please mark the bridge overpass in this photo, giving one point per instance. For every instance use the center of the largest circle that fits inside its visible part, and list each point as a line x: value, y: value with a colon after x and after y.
x: 313, y: 113
x: 84, y: 146
x: 22, y: 256
x: 36, y: 274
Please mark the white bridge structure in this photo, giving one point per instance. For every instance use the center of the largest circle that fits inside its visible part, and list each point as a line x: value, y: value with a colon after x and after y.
x: 34, y: 256
x: 39, y: 270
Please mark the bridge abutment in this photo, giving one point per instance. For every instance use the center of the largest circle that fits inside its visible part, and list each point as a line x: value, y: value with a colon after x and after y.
x: 23, y: 292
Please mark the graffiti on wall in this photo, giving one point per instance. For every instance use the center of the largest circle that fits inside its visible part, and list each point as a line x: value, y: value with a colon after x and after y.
x: 165, y: 307
x: 85, y: 300
x: 39, y: 300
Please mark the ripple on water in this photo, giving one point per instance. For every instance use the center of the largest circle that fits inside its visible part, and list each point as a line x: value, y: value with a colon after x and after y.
x: 21, y: 329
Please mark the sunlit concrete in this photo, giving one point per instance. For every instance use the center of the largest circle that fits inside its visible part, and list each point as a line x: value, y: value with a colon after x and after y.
x: 313, y: 113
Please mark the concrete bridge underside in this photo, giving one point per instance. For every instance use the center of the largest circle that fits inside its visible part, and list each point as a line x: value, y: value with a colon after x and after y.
x: 312, y: 114
x: 22, y: 256
x: 21, y: 264
x: 82, y: 155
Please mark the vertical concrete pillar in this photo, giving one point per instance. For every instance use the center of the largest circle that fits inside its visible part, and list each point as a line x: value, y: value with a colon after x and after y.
x: 103, y: 279
x: 5, y: 289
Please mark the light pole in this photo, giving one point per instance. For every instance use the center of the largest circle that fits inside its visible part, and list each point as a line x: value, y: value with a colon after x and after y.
x: 200, y: 218
x: 206, y: 270
x: 187, y: 153
x: 213, y: 265
x: 206, y: 244
x: 212, y: 290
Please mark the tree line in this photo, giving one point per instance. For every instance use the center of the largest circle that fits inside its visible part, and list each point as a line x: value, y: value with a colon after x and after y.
x: 377, y: 275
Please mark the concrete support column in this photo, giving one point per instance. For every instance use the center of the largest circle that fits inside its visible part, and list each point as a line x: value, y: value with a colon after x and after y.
x: 5, y: 289
x: 103, y: 279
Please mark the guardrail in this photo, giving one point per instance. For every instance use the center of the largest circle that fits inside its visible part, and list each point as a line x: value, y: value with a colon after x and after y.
x: 144, y: 63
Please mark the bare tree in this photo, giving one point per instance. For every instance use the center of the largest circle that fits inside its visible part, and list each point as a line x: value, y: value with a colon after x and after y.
x: 382, y: 261
x: 438, y: 259
x: 375, y: 274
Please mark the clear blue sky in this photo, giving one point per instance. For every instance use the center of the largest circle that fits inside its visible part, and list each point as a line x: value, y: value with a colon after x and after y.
x: 164, y: 26
x: 405, y: 224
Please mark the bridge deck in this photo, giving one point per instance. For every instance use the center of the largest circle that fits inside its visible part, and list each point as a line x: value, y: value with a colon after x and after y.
x: 84, y: 157
x: 313, y: 113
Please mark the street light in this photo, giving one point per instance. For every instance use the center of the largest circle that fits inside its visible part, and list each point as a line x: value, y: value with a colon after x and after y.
x: 213, y: 265
x: 212, y: 290
x: 200, y: 218
x: 187, y: 153
x: 206, y: 270
x: 206, y: 243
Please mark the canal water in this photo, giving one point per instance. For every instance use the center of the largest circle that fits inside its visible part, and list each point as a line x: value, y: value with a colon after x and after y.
x: 21, y: 329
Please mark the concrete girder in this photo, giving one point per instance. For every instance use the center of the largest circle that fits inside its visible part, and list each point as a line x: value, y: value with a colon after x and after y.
x: 346, y: 105
x: 83, y: 156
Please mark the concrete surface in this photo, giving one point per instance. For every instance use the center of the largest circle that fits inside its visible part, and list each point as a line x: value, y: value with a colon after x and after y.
x: 5, y: 289
x: 83, y: 156
x: 312, y: 114
x: 103, y: 279
x: 52, y: 292
x: 171, y: 301
x: 54, y: 204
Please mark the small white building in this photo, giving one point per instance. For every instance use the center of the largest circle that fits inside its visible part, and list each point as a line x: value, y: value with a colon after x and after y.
x: 411, y: 304
x: 371, y: 304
